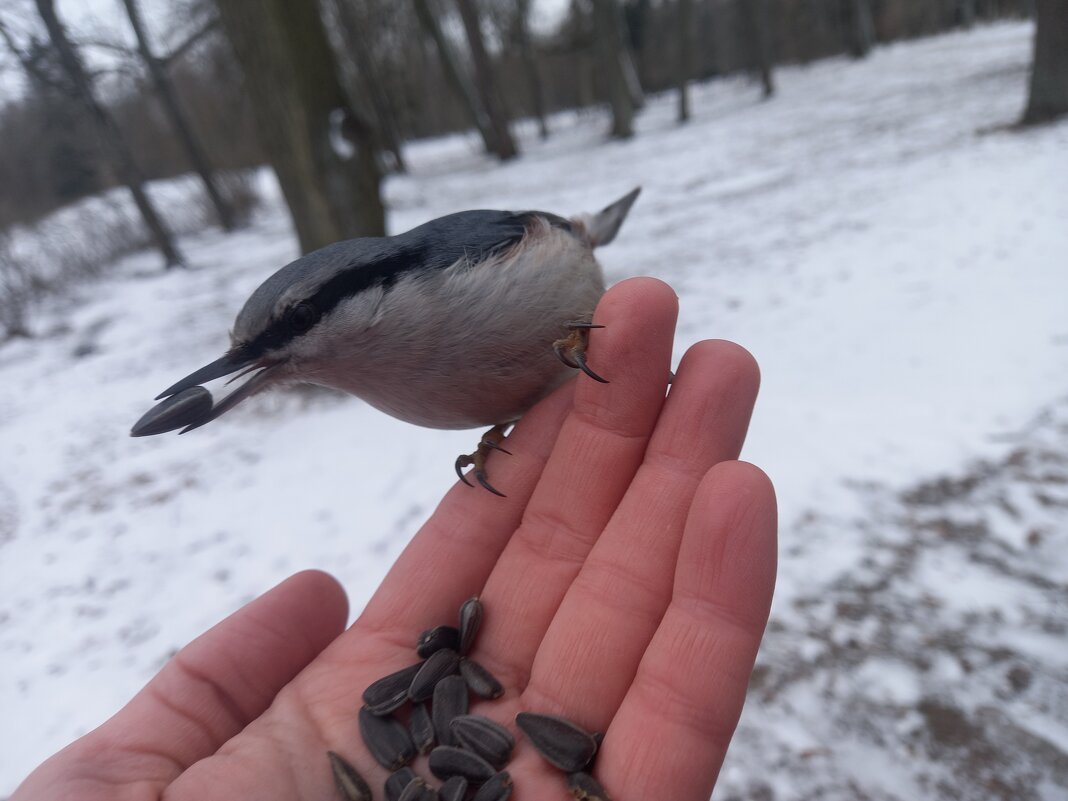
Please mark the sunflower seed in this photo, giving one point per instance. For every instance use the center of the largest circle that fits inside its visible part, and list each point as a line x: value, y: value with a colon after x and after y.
x: 561, y: 742
x: 190, y: 407
x: 586, y: 788
x: 482, y: 683
x: 497, y: 788
x: 349, y: 782
x: 470, y: 620
x: 437, y: 638
x: 440, y: 664
x: 390, y: 692
x: 450, y: 701
x: 487, y: 738
x: 397, y: 781
x: 422, y: 728
x: 387, y: 739
x: 417, y: 790
x: 454, y: 789
x: 447, y: 761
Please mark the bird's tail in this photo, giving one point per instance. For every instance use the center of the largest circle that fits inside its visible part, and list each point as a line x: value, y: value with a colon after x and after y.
x: 602, y: 227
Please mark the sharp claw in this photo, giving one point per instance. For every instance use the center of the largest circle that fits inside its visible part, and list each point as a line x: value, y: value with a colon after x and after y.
x: 460, y: 464
x: 486, y: 485
x: 578, y: 324
x: 581, y: 359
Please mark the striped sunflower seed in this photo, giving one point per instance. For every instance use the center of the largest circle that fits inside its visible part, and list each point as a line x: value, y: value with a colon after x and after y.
x: 417, y: 790
x: 470, y: 620
x: 497, y: 788
x: 487, y: 738
x: 351, y: 785
x: 563, y: 743
x: 586, y: 788
x: 387, y: 739
x: 482, y: 683
x: 390, y: 692
x: 422, y: 728
x: 440, y: 664
x: 397, y: 781
x: 450, y: 701
x: 447, y: 761
x: 437, y: 638
x: 454, y: 789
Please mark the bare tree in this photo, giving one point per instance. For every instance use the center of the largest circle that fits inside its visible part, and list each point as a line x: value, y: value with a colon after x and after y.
x: 609, y: 43
x: 684, y: 16
x: 182, y: 127
x: 967, y: 13
x: 358, y: 30
x: 455, y: 74
x: 110, y: 134
x: 860, y: 27
x: 626, y: 60
x: 486, y: 82
x: 757, y: 25
x: 530, y: 64
x: 1048, y: 97
x: 323, y: 153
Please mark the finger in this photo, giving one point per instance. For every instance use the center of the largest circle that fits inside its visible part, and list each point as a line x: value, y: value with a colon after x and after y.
x: 450, y: 557
x: 616, y: 602
x: 671, y: 732
x: 213, y: 687
x: 599, y: 448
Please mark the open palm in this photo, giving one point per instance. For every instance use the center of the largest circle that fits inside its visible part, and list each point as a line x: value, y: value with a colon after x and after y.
x: 626, y: 580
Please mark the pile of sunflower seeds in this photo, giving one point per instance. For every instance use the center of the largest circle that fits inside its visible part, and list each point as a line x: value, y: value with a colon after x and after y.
x: 467, y: 752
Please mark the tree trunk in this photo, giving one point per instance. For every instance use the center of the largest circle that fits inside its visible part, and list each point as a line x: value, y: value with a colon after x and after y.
x: 967, y: 13
x: 485, y: 81
x: 323, y: 153
x: 861, y: 28
x: 758, y: 30
x: 168, y: 97
x: 684, y: 18
x: 371, y: 83
x: 609, y: 44
x: 125, y: 166
x: 530, y: 65
x: 626, y: 58
x: 1049, y: 74
x: 455, y: 75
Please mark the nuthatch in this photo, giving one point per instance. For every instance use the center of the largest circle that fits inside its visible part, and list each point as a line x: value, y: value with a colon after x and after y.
x: 465, y: 321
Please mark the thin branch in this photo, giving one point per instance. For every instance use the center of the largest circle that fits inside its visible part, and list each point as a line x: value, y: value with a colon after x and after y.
x: 27, y: 63
x: 104, y: 44
x: 180, y: 50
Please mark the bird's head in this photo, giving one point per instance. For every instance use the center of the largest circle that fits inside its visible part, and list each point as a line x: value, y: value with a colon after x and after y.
x: 281, y: 334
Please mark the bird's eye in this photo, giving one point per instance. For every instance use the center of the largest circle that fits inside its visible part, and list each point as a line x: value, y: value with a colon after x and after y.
x: 302, y: 317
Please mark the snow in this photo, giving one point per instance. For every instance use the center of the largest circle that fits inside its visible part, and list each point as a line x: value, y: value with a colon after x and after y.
x: 892, y: 255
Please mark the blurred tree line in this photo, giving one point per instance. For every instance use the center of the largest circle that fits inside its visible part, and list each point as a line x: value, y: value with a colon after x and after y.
x: 328, y: 91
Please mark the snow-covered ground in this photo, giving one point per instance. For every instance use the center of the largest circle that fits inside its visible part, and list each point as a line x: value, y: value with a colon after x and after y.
x: 897, y: 262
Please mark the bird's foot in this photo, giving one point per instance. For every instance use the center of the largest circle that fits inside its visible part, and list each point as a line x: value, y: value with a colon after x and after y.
x: 490, y: 442
x: 571, y: 350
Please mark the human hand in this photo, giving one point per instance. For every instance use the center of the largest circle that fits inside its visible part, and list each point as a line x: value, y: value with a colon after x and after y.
x: 626, y: 579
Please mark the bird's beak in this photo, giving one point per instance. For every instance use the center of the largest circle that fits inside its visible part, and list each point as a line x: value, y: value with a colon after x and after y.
x: 188, y: 404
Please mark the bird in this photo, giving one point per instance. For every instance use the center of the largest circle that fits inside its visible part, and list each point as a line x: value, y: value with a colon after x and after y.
x: 465, y: 321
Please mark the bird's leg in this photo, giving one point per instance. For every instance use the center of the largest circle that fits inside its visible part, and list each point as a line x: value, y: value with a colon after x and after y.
x: 571, y: 350
x: 490, y: 442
